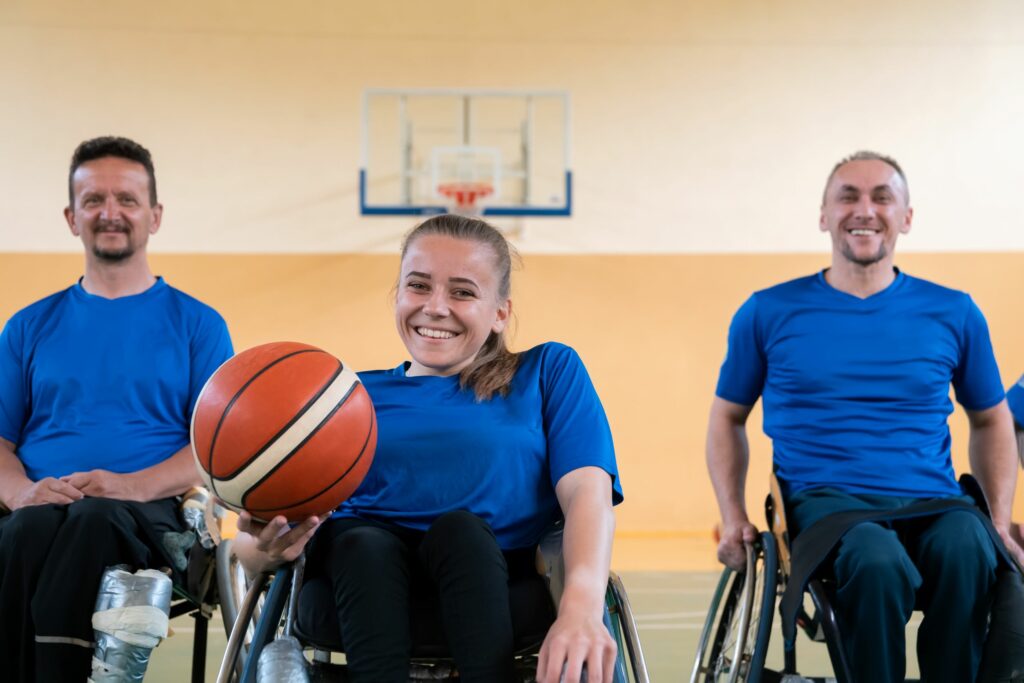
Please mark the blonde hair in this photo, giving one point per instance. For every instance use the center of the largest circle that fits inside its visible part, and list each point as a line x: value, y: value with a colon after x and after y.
x: 491, y: 371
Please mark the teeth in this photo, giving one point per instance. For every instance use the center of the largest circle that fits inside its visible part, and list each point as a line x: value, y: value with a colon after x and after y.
x: 434, y: 334
x: 862, y: 232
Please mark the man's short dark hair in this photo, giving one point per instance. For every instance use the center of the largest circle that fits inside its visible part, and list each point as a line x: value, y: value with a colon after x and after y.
x: 867, y: 155
x: 111, y: 146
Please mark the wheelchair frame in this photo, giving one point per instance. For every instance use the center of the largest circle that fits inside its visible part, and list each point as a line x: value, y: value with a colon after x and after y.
x: 270, y: 605
x: 200, y: 609
x: 768, y: 562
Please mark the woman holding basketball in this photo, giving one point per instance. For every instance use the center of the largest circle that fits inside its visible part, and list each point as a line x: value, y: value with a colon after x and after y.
x: 480, y: 450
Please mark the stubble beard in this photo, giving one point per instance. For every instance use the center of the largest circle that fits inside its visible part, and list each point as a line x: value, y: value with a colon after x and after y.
x: 113, y: 255
x: 108, y: 255
x: 864, y: 262
x: 861, y: 260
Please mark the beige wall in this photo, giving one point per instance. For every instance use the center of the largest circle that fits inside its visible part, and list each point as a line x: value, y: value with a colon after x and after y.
x: 651, y: 330
x: 702, y: 135
x: 699, y: 127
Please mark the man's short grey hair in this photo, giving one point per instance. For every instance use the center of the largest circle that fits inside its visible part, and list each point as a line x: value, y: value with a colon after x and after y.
x: 867, y: 155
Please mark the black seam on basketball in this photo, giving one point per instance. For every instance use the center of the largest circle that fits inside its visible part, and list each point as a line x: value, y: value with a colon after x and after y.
x: 298, y: 446
x: 241, y: 390
x: 295, y: 418
x: 362, y: 452
x: 302, y: 443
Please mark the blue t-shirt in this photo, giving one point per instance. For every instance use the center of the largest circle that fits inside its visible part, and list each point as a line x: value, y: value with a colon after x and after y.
x: 1015, y: 399
x: 94, y: 383
x: 439, y: 449
x: 856, y: 391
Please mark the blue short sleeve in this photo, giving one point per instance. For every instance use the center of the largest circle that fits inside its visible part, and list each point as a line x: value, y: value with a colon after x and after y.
x: 976, y: 378
x: 13, y: 397
x: 577, y: 430
x: 741, y: 378
x: 1015, y: 398
x: 210, y: 346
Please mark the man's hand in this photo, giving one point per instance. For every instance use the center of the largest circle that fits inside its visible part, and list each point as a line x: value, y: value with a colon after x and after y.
x: 48, y: 490
x: 1010, y: 535
x: 575, y: 640
x: 274, y: 543
x: 104, y: 484
x: 731, y: 551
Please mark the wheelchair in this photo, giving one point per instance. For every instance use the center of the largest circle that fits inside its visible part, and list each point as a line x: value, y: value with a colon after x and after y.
x: 197, y: 598
x: 734, y: 640
x: 199, y: 595
x: 284, y: 604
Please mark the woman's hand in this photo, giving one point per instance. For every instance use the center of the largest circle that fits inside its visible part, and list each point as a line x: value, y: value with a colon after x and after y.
x: 265, y: 547
x: 577, y: 638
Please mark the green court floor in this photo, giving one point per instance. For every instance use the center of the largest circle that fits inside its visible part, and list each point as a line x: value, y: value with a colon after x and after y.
x: 669, y: 606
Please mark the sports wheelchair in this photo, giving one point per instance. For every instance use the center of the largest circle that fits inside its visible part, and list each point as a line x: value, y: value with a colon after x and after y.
x: 258, y: 611
x: 197, y: 597
x: 734, y: 641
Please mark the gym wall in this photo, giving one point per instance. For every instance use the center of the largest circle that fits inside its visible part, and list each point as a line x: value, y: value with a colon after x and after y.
x: 702, y: 135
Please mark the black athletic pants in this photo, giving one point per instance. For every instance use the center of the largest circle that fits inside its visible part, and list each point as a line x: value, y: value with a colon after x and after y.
x: 52, y: 558
x: 374, y: 567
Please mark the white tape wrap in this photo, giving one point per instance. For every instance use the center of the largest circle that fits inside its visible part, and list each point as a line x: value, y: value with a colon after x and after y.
x: 131, y: 618
x: 142, y: 625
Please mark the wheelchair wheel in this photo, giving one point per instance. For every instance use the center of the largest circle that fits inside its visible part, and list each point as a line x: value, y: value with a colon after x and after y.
x: 734, y: 640
x: 232, y: 585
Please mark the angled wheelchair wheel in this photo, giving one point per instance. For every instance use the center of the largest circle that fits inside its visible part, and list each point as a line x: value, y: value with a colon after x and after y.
x: 734, y: 640
x: 630, y: 665
x: 232, y: 587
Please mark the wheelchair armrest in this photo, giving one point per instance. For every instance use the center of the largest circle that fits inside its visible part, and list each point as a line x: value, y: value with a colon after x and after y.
x: 551, y: 562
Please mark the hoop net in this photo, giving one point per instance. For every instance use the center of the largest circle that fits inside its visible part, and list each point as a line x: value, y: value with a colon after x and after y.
x: 464, y: 196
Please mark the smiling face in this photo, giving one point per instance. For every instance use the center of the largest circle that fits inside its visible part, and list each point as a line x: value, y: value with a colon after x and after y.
x: 865, y: 210
x: 111, y: 211
x: 449, y: 302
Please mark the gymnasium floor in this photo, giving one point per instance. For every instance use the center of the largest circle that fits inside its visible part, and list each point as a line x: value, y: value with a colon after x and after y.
x: 670, y: 603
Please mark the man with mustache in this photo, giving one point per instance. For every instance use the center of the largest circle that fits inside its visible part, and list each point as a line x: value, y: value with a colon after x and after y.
x: 97, y: 385
x: 854, y: 365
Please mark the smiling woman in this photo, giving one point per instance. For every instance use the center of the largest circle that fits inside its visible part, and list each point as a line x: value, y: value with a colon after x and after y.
x: 453, y: 303
x: 480, y: 450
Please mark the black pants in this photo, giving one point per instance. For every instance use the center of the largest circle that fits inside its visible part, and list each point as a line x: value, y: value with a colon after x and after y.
x: 374, y: 569
x: 945, y: 565
x: 52, y: 558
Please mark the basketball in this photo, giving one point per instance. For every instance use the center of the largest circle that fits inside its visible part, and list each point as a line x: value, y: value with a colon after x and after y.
x: 283, y: 429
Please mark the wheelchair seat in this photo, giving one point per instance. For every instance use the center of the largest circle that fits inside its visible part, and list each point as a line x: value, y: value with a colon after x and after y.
x: 257, y: 610
x: 533, y: 612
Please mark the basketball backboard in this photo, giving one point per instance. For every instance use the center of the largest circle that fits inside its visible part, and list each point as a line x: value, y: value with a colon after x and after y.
x: 492, y: 152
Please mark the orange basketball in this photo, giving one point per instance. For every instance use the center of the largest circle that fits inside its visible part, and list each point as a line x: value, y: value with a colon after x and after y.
x: 283, y: 429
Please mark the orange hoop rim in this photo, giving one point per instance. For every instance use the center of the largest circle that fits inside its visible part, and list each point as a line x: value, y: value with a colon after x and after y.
x: 465, y: 193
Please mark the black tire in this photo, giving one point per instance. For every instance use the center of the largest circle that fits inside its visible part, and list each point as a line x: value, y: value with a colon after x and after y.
x: 724, y: 633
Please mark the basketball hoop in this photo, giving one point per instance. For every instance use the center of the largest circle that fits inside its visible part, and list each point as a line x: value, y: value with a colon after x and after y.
x: 464, y: 196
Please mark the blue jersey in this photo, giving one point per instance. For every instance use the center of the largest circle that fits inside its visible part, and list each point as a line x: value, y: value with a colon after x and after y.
x: 94, y: 383
x: 856, y: 391
x: 1015, y: 399
x: 439, y: 449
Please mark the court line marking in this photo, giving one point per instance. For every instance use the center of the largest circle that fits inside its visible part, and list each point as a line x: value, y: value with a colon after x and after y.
x: 660, y: 616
